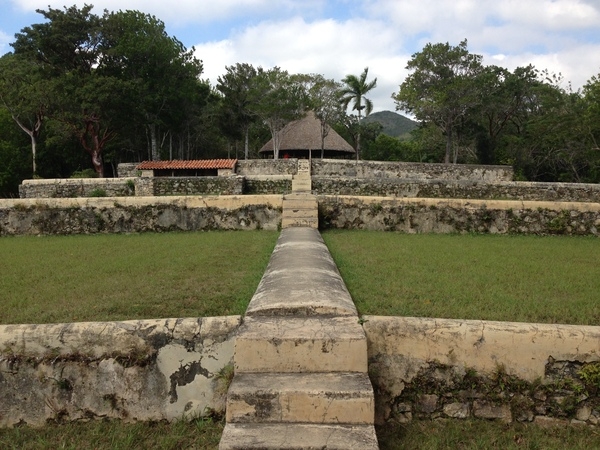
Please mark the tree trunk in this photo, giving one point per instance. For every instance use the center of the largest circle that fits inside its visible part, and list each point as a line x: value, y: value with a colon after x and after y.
x: 246, y: 147
x: 448, y: 145
x: 154, y: 142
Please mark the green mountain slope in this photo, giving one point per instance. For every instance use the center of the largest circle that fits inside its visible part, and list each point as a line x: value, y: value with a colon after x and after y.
x: 394, y: 124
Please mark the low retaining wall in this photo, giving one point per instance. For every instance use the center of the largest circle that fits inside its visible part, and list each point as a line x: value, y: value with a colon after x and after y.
x: 502, y: 190
x: 77, y: 187
x: 269, y: 184
x: 458, y: 216
x: 161, y: 186
x: 432, y: 368
x: 134, y: 370
x: 138, y: 214
x: 406, y: 170
x: 267, y: 166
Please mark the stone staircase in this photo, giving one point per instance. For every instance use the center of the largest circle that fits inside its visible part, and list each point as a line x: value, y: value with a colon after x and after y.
x: 300, y: 208
x: 300, y: 358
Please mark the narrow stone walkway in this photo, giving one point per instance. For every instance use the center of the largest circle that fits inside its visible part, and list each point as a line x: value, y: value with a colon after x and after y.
x: 300, y: 208
x: 300, y: 358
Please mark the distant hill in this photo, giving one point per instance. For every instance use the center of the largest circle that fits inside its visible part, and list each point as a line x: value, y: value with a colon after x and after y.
x: 394, y: 124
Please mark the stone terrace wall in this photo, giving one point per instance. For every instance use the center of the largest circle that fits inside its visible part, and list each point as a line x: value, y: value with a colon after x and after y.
x: 77, y: 187
x: 436, y: 368
x: 160, y: 186
x: 267, y: 166
x: 406, y: 170
x: 458, y: 216
x: 136, y: 370
x: 505, y: 190
x: 126, y: 170
x: 269, y: 184
x: 138, y: 214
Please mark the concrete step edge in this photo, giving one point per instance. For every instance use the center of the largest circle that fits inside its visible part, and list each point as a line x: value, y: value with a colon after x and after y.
x: 338, y: 397
x: 298, y: 436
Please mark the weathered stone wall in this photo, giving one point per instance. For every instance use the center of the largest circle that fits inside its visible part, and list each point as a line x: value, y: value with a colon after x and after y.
x: 502, y: 190
x: 160, y: 186
x: 458, y: 216
x: 267, y: 166
x: 269, y: 184
x: 407, y: 170
x: 77, y: 187
x: 136, y: 370
x: 138, y: 214
x: 126, y: 170
x: 435, y: 368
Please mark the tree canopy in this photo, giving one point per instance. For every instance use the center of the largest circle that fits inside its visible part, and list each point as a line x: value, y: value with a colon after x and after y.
x: 119, y: 87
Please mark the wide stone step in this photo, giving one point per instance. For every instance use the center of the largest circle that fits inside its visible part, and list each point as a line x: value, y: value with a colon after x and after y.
x: 309, y: 397
x: 300, y: 222
x: 301, y: 185
x: 300, y: 344
x: 238, y: 436
x: 300, y: 203
x: 301, y: 213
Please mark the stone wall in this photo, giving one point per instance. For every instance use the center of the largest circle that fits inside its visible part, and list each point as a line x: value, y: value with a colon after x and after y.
x: 136, y: 370
x: 458, y: 216
x: 160, y: 186
x: 502, y: 190
x: 406, y: 170
x: 442, y: 368
x: 269, y: 184
x: 139, y: 214
x: 267, y: 166
x: 77, y: 187
x: 126, y: 170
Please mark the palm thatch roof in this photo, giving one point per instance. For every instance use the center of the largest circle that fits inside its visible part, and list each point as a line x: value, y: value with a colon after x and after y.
x: 304, y: 135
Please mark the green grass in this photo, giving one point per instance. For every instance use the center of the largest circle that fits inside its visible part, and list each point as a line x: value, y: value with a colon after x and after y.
x: 509, y: 278
x: 137, y: 276
x: 480, y: 434
x: 114, y: 434
x: 206, y: 433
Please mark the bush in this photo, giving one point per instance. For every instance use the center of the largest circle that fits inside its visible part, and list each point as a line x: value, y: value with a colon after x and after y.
x: 85, y: 173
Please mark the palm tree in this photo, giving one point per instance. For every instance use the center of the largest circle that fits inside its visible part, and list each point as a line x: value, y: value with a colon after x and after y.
x: 354, y: 91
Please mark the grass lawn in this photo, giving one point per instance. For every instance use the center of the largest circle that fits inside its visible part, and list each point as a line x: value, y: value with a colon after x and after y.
x: 114, y: 434
x: 483, y: 435
x: 205, y: 434
x: 136, y: 276
x: 552, y: 279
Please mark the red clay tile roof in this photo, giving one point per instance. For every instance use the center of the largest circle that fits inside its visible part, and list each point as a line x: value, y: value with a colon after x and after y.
x: 190, y: 164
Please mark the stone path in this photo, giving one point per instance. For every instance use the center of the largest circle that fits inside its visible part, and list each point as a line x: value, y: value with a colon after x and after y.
x: 300, y: 358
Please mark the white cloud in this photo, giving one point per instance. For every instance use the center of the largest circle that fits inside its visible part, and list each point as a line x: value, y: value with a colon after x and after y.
x: 328, y: 47
x: 338, y: 37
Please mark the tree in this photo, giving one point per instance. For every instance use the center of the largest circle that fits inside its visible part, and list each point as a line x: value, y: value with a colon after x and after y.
x: 324, y: 101
x: 66, y: 49
x: 354, y: 91
x: 162, y: 74
x: 277, y: 99
x: 236, y: 87
x: 440, y: 89
x: 24, y: 94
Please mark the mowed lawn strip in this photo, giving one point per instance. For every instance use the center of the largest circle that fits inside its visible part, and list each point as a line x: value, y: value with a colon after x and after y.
x: 115, y: 434
x: 124, y: 277
x: 484, y: 434
x: 547, y: 279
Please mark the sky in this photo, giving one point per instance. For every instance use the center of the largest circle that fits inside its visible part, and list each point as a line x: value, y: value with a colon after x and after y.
x: 339, y: 37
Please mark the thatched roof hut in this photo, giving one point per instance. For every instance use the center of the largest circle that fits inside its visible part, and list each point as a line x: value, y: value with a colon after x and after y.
x: 302, y: 139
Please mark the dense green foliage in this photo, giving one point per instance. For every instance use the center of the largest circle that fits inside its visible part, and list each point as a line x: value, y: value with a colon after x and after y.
x: 120, y: 88
x: 490, y: 115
